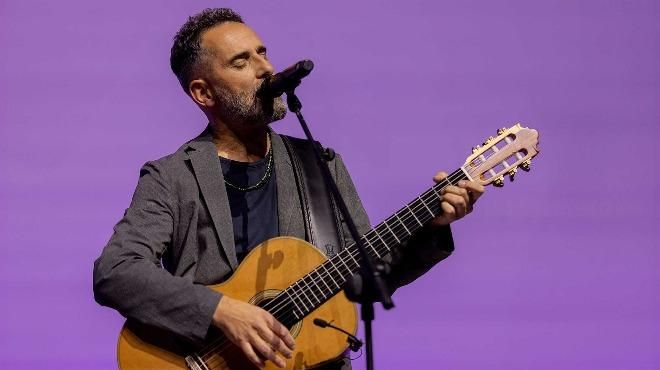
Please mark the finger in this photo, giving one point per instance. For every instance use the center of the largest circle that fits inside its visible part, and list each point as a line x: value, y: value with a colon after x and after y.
x: 446, y: 216
x: 266, y: 351
x: 251, y: 355
x: 457, y: 191
x: 273, y: 339
x: 457, y: 202
x: 472, y: 187
x: 440, y: 176
x: 280, y: 330
x: 282, y: 348
x: 284, y: 334
x: 448, y: 212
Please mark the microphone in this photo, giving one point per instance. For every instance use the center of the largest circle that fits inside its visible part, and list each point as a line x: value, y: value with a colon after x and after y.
x: 321, y: 323
x: 353, y: 342
x: 286, y: 80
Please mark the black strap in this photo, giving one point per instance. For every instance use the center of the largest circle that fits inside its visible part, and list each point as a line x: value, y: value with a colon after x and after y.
x: 322, y: 223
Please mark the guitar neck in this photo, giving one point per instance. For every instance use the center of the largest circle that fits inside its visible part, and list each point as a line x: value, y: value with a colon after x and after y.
x: 328, y: 279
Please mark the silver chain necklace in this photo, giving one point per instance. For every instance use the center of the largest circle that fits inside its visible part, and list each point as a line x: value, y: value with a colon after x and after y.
x: 264, y: 179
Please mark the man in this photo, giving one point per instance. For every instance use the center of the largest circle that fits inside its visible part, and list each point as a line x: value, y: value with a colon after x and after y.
x: 197, y: 212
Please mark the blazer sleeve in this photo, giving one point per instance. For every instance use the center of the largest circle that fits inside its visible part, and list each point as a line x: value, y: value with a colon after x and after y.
x: 415, y: 256
x: 129, y: 277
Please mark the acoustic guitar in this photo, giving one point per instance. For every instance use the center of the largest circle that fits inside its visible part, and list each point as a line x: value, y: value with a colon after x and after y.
x: 296, y: 283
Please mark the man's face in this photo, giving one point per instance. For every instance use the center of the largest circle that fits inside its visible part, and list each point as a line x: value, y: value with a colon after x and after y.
x: 238, y: 65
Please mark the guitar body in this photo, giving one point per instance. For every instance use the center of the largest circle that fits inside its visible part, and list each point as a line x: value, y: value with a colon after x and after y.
x: 266, y: 270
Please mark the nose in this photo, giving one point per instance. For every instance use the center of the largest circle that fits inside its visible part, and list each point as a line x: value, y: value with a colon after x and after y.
x: 264, y: 69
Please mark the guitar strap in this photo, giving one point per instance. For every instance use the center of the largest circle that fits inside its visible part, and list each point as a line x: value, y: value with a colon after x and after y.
x: 321, y: 215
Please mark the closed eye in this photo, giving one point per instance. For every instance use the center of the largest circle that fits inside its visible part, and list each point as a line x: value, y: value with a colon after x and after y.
x: 239, y: 63
x: 239, y: 59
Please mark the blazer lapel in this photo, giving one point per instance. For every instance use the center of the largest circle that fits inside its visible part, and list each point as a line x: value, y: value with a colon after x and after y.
x: 288, y: 201
x: 204, y: 160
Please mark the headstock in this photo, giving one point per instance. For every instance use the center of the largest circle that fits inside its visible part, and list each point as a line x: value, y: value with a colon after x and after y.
x: 502, y: 155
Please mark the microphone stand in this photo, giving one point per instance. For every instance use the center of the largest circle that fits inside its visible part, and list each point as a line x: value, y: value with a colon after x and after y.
x: 372, y: 288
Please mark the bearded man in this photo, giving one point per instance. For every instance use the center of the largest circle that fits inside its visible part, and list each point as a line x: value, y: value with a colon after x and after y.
x: 196, y: 213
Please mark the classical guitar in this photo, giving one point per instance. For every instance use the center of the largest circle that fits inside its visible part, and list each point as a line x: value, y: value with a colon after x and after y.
x: 293, y: 281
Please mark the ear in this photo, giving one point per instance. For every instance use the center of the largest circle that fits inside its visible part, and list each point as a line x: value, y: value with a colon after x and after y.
x: 201, y: 93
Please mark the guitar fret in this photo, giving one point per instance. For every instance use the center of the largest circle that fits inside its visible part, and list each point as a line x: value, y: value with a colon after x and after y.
x: 298, y: 297
x: 413, y: 214
x: 294, y: 303
x: 392, y: 232
x: 366, y: 238
x: 353, y: 258
x: 305, y: 299
x: 432, y: 204
x: 401, y: 222
x: 343, y: 262
x: 306, y: 288
x: 336, y: 269
x: 311, y: 291
x: 385, y: 245
x: 302, y: 290
x: 330, y: 275
x: 318, y: 273
x: 425, y: 206
x: 381, y: 239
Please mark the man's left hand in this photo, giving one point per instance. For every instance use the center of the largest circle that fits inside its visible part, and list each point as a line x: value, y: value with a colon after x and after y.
x: 456, y: 201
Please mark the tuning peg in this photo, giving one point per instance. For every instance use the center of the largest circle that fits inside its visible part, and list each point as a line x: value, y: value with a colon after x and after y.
x: 501, y: 131
x: 490, y: 138
x: 476, y: 149
x: 526, y: 165
x: 512, y: 173
x: 499, y: 182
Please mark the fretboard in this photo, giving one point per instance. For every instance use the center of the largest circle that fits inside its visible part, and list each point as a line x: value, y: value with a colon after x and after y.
x: 328, y: 279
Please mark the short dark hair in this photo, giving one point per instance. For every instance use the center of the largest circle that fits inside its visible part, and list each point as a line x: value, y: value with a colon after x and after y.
x: 186, y: 50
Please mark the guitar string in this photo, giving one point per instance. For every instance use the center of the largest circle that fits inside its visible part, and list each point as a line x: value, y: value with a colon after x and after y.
x: 351, y: 251
x: 205, y: 355
x: 218, y: 359
x: 354, y: 253
x: 402, y: 222
x: 349, y: 254
x: 328, y: 273
x: 457, y: 175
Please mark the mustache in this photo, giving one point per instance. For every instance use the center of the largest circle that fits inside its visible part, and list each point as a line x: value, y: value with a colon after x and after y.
x: 262, y: 91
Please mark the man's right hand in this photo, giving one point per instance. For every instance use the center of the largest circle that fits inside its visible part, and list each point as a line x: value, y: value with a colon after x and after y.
x: 254, y: 330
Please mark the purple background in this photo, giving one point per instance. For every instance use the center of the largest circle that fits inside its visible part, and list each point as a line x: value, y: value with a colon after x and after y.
x: 559, y: 270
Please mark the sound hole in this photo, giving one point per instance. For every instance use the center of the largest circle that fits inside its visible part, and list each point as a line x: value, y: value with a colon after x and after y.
x: 262, y: 298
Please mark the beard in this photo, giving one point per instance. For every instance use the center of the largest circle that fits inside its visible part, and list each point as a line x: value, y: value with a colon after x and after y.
x: 249, y: 108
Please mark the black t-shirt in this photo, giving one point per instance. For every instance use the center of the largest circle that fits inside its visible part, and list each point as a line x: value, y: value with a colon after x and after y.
x: 253, y: 212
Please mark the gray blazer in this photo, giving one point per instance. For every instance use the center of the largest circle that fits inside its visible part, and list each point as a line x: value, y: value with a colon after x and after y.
x: 177, y: 236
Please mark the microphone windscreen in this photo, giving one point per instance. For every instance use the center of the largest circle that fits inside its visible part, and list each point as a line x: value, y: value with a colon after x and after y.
x: 320, y: 322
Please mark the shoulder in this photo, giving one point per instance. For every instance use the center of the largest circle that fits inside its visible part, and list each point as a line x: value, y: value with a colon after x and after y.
x: 176, y: 160
x: 173, y: 168
x: 165, y: 166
